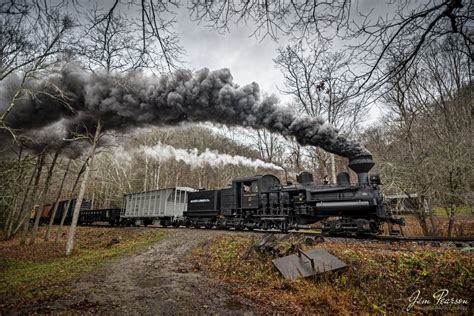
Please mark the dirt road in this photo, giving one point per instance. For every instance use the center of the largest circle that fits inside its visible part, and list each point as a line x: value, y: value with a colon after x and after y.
x: 159, y: 280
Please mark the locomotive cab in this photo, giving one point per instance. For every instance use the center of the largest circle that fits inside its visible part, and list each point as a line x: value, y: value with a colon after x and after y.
x: 247, y: 190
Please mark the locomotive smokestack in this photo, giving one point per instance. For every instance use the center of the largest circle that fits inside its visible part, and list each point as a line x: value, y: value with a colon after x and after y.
x: 362, y: 165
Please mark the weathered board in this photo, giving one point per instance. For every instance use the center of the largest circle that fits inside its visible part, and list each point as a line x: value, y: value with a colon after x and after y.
x: 307, y: 263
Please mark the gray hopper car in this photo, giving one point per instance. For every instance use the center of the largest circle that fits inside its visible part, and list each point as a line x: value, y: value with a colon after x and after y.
x: 155, y: 207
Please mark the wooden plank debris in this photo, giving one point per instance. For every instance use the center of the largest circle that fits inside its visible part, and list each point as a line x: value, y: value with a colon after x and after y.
x: 307, y: 263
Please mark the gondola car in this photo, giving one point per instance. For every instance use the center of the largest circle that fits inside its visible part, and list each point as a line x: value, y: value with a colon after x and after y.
x: 107, y: 215
x: 70, y: 205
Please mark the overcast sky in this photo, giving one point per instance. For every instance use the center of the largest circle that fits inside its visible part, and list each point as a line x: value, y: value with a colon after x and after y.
x: 248, y: 58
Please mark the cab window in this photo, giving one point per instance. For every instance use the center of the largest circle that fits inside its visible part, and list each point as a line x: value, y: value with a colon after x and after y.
x: 249, y: 187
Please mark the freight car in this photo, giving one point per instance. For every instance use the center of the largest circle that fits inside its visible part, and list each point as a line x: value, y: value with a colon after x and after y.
x: 70, y: 205
x: 45, y: 210
x: 108, y: 215
x: 48, y: 209
x: 158, y: 207
x: 165, y: 207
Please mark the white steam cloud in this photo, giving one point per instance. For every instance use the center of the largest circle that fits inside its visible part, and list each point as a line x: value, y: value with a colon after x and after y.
x: 193, y: 158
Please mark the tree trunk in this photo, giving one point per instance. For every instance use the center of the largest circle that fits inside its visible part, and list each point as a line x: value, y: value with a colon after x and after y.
x: 452, y: 212
x: 145, y: 178
x: 434, y: 228
x: 333, y: 168
x: 12, y: 102
x: 422, y: 222
x: 30, y: 205
x: 95, y: 192
x: 176, y: 179
x: 19, y: 214
x: 12, y: 213
x: 93, y: 199
x: 42, y: 196
x: 421, y: 215
x: 158, y: 174
x: 63, y: 216
x: 106, y: 189
x: 56, y: 203
x: 11, y: 210
x: 75, y: 215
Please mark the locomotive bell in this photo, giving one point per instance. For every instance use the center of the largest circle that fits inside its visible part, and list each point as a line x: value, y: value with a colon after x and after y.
x: 362, y: 165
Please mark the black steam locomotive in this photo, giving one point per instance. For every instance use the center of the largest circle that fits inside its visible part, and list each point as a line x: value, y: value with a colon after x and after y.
x: 262, y: 202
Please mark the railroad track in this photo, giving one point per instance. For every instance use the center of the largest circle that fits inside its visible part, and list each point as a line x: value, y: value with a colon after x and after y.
x: 427, y: 239
x: 468, y: 239
x: 433, y: 240
x: 316, y: 233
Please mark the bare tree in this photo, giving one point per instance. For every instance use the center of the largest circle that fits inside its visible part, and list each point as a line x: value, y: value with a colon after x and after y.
x: 369, y: 33
x: 70, y: 197
x: 33, y: 36
x: 298, y: 19
x: 270, y: 146
x: 321, y: 85
x: 430, y: 134
x: 119, y: 42
x: 32, y: 33
x: 15, y: 190
x: 113, y: 42
x: 42, y: 196
x: 77, y: 208
x: 26, y: 208
x: 56, y: 202
x: 39, y: 35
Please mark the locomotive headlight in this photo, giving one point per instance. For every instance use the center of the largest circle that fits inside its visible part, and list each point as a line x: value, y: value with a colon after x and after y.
x: 300, y: 198
x: 375, y: 179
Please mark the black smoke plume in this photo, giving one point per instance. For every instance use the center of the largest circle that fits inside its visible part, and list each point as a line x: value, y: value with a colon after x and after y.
x: 72, y: 101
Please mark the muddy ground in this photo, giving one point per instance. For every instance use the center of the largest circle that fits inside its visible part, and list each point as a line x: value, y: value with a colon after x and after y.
x: 159, y: 280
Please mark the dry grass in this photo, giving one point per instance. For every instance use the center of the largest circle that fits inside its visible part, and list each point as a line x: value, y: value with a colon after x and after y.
x: 380, y: 278
x: 36, y: 273
x: 463, y: 226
